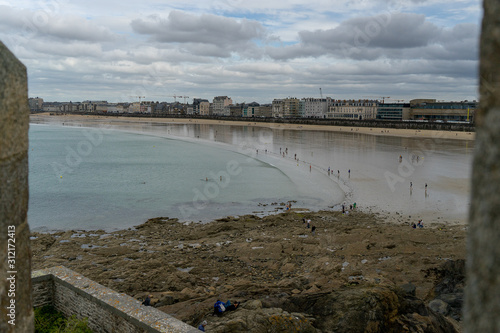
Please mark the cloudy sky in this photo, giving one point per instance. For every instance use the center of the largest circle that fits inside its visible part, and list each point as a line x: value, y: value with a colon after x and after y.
x: 249, y: 50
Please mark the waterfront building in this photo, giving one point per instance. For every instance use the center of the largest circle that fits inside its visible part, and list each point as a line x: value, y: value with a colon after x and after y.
x: 352, y: 109
x: 442, y: 111
x: 196, y: 104
x: 52, y: 107
x: 393, y: 111
x: 291, y: 107
x: 277, y: 108
x: 204, y: 108
x: 35, y: 103
x: 265, y: 110
x: 251, y: 109
x: 219, y: 103
x: 314, y: 107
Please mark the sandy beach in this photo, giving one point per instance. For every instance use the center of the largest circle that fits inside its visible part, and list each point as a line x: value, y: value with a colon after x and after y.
x: 271, y: 263
x: 362, y: 130
x: 369, y: 185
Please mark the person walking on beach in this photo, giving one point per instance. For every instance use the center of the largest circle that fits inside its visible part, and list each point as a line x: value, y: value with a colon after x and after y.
x: 313, y: 230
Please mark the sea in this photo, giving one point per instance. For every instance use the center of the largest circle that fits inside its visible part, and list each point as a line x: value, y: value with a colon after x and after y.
x: 115, y: 176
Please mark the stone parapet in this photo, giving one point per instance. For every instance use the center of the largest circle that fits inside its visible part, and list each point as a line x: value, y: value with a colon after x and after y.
x: 106, y: 310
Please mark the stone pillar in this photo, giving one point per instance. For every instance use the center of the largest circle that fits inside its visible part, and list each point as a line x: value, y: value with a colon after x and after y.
x: 482, y: 294
x: 15, y: 255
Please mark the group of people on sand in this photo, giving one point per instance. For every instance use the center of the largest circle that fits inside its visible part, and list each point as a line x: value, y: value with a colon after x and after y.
x: 345, y: 210
x: 420, y: 224
x: 330, y: 171
x: 313, y: 227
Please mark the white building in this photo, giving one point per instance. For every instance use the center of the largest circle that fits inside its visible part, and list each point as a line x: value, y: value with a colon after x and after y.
x: 316, y: 107
x: 277, y: 108
x: 353, y: 109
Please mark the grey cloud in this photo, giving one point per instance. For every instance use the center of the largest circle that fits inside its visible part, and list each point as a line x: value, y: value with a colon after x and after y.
x: 226, y: 34
x: 397, y: 30
x: 49, y: 24
x: 393, y: 36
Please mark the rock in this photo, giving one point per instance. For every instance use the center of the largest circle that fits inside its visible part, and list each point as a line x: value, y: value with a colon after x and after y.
x: 439, y: 306
x: 363, y: 309
x: 252, y: 305
x: 449, y: 286
x: 263, y: 279
x: 260, y: 321
x: 409, y: 289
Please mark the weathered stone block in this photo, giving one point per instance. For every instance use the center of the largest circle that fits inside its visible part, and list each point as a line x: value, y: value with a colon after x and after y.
x: 15, y: 256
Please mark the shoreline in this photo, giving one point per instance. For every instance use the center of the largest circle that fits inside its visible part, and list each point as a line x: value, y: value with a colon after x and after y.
x: 397, y: 216
x: 408, y: 133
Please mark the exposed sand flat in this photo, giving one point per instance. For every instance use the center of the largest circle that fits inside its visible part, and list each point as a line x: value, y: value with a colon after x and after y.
x: 362, y: 130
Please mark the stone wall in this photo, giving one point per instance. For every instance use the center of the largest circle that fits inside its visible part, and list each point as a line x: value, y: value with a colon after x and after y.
x: 482, y: 293
x: 16, y: 312
x: 396, y: 124
x: 106, y: 310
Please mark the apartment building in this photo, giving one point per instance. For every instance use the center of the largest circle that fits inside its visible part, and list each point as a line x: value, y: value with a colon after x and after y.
x: 277, y: 108
x: 315, y: 107
x: 35, y: 104
x: 219, y: 103
x: 204, y: 108
x: 286, y: 108
x: 352, y: 109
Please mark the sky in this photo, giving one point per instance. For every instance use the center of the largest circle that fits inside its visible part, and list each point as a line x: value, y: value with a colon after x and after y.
x: 248, y: 50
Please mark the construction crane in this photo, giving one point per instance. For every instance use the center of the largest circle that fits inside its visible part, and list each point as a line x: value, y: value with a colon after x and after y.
x: 378, y: 97
x: 139, y: 97
x: 175, y: 97
x: 185, y: 97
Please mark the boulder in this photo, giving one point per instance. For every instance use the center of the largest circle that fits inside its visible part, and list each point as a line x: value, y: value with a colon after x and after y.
x: 369, y: 310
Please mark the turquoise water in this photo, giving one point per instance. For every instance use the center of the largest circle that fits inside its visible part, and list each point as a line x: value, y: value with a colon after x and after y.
x: 91, y: 178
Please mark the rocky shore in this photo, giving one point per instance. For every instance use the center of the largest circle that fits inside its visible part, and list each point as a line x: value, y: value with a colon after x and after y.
x: 357, y: 273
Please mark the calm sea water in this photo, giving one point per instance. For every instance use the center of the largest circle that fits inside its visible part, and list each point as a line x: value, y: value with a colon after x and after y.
x: 93, y: 178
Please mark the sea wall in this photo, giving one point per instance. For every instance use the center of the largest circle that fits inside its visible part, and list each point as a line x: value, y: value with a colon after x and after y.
x: 396, y: 124
x: 106, y: 310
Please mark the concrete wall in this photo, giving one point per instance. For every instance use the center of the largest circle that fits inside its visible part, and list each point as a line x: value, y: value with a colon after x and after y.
x: 106, y: 310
